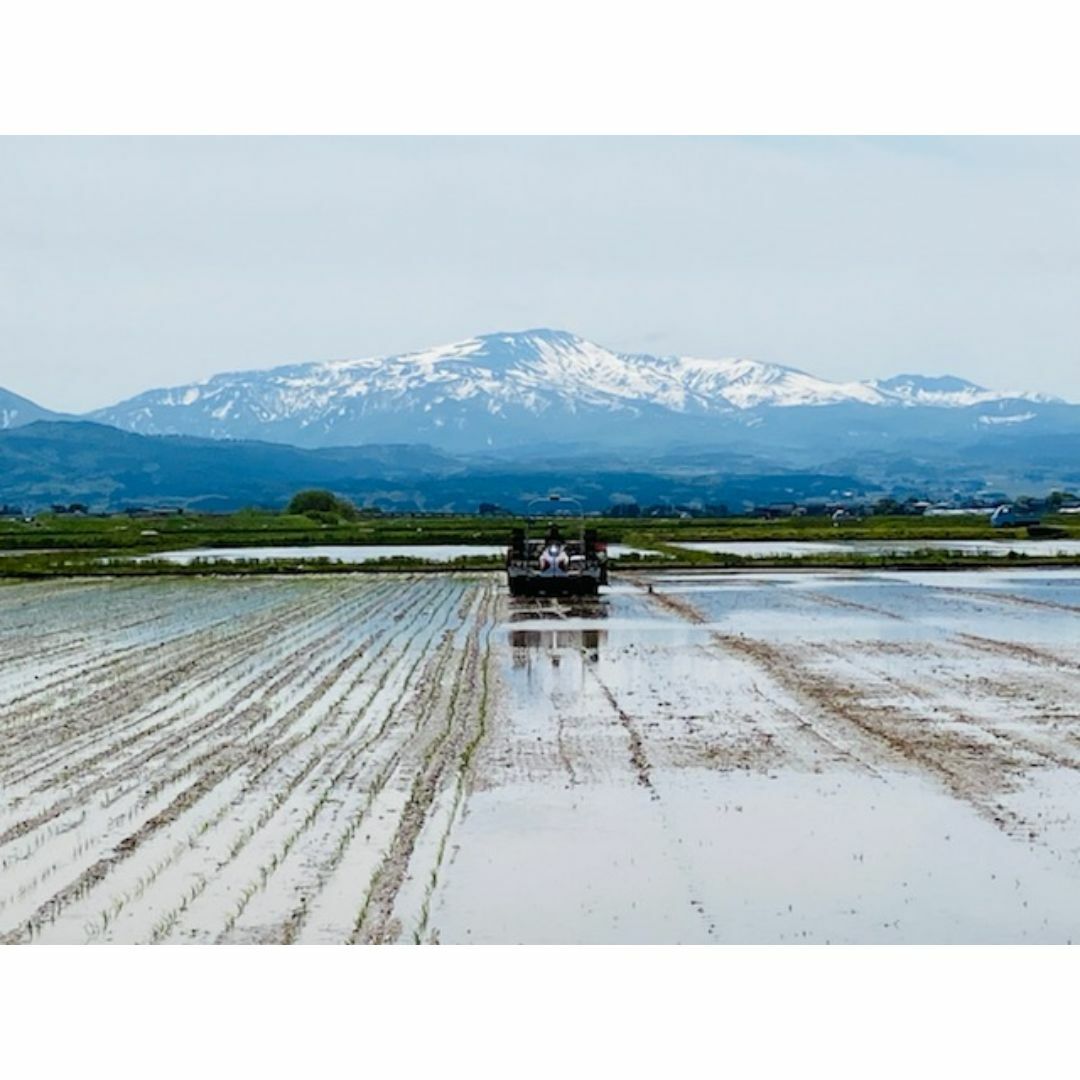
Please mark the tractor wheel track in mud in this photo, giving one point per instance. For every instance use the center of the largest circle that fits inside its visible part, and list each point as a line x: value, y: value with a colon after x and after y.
x: 972, y: 760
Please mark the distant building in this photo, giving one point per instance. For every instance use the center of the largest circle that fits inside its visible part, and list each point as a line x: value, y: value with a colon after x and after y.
x: 959, y: 511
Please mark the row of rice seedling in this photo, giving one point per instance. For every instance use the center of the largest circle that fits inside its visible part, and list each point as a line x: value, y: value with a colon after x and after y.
x: 170, y: 753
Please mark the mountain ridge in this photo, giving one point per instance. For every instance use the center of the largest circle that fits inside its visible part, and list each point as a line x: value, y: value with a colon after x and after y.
x: 16, y: 410
x: 46, y: 462
x: 542, y: 392
x: 509, y: 387
x: 49, y: 462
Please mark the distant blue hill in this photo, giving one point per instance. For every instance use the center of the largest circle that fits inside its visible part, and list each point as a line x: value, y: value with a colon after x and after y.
x: 432, y: 428
x: 49, y: 462
x: 77, y: 461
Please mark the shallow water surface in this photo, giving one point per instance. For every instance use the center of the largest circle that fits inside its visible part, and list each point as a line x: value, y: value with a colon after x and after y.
x: 772, y: 758
x: 771, y: 549
x: 692, y: 757
x: 343, y: 553
x: 352, y: 553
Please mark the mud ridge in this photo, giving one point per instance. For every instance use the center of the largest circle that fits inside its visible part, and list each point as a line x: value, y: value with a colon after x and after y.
x: 638, y: 758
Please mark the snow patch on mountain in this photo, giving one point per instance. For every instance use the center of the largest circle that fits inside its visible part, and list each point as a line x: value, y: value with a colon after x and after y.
x: 16, y: 410
x: 1016, y: 418
x: 945, y: 390
x: 749, y: 384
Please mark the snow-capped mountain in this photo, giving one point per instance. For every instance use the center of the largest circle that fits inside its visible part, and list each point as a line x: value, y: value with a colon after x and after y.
x: 945, y: 390
x: 514, y: 388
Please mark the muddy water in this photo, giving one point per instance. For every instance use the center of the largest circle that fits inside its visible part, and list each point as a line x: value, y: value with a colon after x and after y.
x: 721, y: 757
x: 809, y: 758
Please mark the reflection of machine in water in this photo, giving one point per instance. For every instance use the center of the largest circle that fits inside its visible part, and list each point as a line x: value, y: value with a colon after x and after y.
x: 551, y: 633
x: 555, y: 565
x: 556, y: 645
x: 558, y: 640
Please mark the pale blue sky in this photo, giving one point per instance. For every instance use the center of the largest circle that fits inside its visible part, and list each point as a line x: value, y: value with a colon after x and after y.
x: 130, y: 263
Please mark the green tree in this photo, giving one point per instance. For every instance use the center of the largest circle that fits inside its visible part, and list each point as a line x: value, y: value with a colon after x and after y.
x: 317, y: 501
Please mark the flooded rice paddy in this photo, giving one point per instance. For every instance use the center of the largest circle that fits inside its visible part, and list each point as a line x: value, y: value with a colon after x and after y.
x: 354, y: 553
x: 772, y: 549
x: 343, y: 553
x: 717, y: 757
